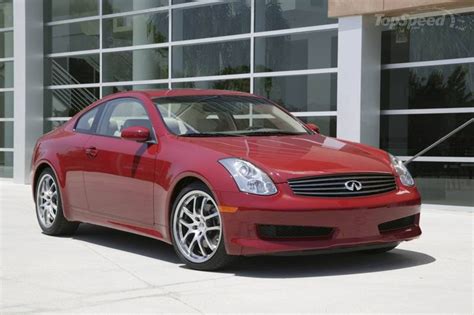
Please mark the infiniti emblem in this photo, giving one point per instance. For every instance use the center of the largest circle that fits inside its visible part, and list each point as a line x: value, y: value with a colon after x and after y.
x: 353, y: 185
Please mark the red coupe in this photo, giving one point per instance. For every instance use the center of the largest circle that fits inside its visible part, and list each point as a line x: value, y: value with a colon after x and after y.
x: 220, y: 174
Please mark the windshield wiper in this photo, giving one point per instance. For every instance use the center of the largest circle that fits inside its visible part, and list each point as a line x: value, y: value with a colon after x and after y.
x: 209, y: 134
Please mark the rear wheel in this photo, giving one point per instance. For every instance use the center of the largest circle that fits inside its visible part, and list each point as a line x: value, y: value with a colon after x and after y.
x: 197, y: 229
x: 49, y: 211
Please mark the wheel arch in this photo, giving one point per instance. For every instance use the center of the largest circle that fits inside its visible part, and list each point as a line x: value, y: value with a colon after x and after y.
x: 181, y: 182
x: 37, y: 172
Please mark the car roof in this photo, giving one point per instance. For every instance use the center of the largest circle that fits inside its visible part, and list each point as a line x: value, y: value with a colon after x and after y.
x: 178, y: 92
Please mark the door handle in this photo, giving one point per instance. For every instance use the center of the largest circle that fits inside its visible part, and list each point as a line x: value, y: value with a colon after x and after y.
x: 91, y: 152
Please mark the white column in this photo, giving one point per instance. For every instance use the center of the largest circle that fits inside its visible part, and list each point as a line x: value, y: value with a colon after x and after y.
x: 28, y: 83
x: 358, y: 87
x: 143, y: 66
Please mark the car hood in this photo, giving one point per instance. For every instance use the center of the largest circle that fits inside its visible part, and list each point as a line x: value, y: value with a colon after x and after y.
x: 286, y: 157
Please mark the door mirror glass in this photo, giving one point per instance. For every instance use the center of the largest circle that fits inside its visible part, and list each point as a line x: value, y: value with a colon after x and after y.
x: 313, y: 127
x: 136, y: 133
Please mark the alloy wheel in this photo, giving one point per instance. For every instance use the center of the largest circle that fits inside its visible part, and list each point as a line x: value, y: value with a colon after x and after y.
x: 197, y: 227
x: 47, y: 200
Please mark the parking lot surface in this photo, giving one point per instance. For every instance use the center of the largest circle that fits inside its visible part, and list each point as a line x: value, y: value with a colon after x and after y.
x: 101, y: 270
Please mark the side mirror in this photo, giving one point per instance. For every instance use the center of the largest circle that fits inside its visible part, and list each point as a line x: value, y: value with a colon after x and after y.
x: 313, y: 127
x: 136, y: 133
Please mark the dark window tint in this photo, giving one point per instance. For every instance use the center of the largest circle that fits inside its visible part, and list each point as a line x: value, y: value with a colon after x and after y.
x: 6, y: 44
x: 444, y: 183
x: 316, y: 92
x: 74, y: 70
x: 451, y: 36
x: 6, y: 13
x: 6, y: 105
x: 68, y: 102
x: 74, y: 36
x: 219, y: 19
x: 211, y: 59
x: 86, y: 122
x: 6, y: 74
x: 6, y: 164
x: 281, y: 14
x: 296, y: 52
x: 106, y: 90
x: 135, y: 30
x: 406, y: 135
x: 69, y: 9
x: 428, y: 87
x: 6, y: 134
x: 327, y: 125
x: 146, y: 64
x: 242, y: 85
x: 117, y: 6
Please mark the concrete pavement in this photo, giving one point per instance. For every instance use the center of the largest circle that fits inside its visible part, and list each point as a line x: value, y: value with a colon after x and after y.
x: 101, y: 270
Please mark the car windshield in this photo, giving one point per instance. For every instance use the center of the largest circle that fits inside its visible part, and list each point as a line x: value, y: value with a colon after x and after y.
x: 207, y: 116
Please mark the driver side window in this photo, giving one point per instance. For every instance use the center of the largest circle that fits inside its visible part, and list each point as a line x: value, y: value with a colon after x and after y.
x: 121, y: 114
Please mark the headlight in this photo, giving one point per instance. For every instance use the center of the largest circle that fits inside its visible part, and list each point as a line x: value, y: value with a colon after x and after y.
x: 402, y: 171
x: 248, y: 177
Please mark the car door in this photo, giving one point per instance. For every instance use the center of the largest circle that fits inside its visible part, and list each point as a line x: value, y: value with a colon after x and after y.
x: 73, y: 159
x: 119, y: 174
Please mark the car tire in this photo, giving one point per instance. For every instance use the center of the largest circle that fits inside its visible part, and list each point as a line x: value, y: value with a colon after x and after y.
x: 49, y: 209
x: 380, y: 250
x: 189, y: 248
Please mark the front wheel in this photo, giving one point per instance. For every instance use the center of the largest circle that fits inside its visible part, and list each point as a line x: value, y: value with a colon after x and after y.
x: 197, y: 229
x: 49, y: 211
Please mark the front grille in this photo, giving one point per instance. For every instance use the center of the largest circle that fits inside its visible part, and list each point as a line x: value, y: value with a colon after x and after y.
x: 293, y: 232
x: 340, y: 185
x: 399, y: 224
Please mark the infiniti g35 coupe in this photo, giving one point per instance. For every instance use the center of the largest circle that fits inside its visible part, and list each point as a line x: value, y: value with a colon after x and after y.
x: 220, y: 174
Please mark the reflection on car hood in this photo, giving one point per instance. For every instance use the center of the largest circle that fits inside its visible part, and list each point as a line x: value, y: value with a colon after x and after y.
x: 285, y: 157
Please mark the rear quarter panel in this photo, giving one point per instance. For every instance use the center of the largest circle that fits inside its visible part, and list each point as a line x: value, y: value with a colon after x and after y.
x: 62, y: 150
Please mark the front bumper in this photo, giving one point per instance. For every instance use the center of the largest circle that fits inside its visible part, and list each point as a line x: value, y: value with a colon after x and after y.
x: 354, y: 221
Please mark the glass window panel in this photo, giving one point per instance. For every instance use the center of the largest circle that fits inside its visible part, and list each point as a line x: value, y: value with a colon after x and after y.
x: 220, y: 19
x: 74, y: 36
x: 406, y: 135
x: 211, y: 59
x: 70, y: 9
x: 147, y: 64
x: 451, y: 38
x: 281, y: 14
x: 242, y: 85
x: 6, y: 13
x: 135, y: 30
x: 6, y: 74
x: 6, y: 44
x: 117, y: 6
x: 117, y: 114
x: 74, y: 70
x: 68, y: 102
x: 428, y: 87
x: 444, y: 183
x: 6, y: 104
x: 327, y: 125
x: 6, y: 134
x: 296, y: 52
x: 6, y: 164
x: 51, y: 125
x: 302, y: 93
x: 106, y: 90
x: 86, y: 121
